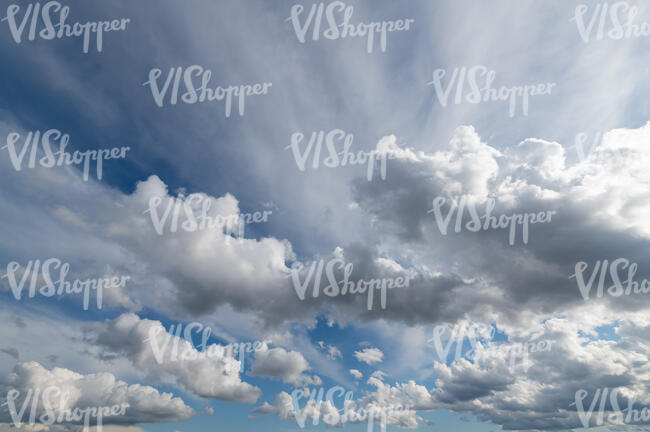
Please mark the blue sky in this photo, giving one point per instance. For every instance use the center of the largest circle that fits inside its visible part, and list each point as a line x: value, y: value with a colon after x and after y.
x: 239, y: 287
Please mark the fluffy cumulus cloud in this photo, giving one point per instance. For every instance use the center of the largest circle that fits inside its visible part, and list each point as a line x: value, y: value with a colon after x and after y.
x: 601, y: 206
x: 288, y: 366
x: 214, y: 267
x: 211, y: 373
x: 369, y: 355
x: 186, y: 267
x: 61, y: 390
x: 188, y: 272
x: 541, y: 390
x: 385, y: 405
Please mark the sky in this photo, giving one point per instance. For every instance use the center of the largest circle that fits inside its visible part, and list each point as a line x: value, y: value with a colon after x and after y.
x: 446, y: 224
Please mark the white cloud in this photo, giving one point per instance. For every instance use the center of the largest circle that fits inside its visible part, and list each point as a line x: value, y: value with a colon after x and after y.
x: 212, y: 376
x: 398, y: 405
x: 145, y: 404
x: 332, y: 352
x: 356, y: 374
x: 369, y: 355
x: 285, y: 365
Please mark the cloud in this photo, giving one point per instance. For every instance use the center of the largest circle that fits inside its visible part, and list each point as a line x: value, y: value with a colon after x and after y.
x: 332, y: 352
x: 602, y: 204
x: 168, y: 357
x: 369, y: 355
x: 539, y: 396
x: 601, y: 210
x: 145, y: 404
x: 287, y: 366
x: 187, y: 274
x: 282, y: 406
x: 396, y: 405
x: 356, y: 374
